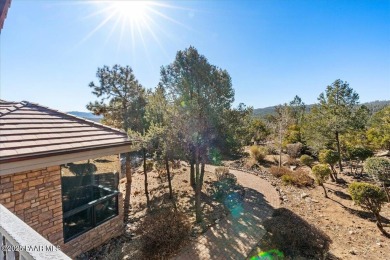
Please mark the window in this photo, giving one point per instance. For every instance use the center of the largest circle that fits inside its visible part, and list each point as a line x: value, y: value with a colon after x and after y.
x: 89, y: 194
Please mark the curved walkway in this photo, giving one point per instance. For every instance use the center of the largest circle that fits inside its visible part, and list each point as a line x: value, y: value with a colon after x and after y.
x: 235, y: 236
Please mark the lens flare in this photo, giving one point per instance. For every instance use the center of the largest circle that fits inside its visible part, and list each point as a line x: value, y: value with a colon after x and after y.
x: 273, y: 254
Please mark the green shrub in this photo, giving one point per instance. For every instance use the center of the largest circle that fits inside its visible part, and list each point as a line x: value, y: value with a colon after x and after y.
x: 321, y: 174
x: 287, y: 179
x: 258, y: 152
x: 329, y: 156
x: 359, y: 153
x: 369, y: 197
x: 306, y: 160
x: 279, y: 172
x: 378, y: 168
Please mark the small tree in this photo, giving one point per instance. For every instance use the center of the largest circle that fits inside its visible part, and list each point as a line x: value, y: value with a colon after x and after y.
x: 369, y: 197
x: 257, y: 152
x: 306, y: 160
x: 379, y: 132
x: 358, y: 154
x: 330, y: 157
x: 321, y: 173
x: 279, y: 123
x: 379, y: 169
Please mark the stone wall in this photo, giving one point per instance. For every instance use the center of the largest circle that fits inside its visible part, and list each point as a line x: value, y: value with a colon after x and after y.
x: 35, y: 197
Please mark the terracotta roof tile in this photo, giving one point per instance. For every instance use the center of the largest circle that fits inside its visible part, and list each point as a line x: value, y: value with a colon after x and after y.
x: 28, y: 130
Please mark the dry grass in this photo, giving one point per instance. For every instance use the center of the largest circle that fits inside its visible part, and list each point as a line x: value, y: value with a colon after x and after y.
x: 298, y: 178
x: 279, y: 172
x: 163, y: 233
x: 258, y: 152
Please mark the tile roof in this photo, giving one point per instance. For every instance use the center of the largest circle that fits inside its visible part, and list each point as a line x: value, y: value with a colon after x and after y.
x: 29, y: 131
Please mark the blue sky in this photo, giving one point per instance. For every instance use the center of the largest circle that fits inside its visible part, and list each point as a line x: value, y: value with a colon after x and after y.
x: 273, y: 50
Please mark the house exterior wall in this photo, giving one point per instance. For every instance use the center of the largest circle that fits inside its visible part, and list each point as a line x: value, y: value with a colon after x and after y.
x: 35, y: 197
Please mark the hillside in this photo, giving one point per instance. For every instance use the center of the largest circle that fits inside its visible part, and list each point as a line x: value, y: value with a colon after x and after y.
x: 374, y: 106
x: 86, y: 115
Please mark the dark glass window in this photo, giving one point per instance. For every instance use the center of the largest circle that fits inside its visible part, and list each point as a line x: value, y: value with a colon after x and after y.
x: 106, y: 210
x: 89, y: 194
x: 77, y: 223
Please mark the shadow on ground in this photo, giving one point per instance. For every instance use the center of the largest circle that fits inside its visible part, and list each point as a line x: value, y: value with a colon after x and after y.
x: 235, y: 236
x: 294, y: 237
x: 362, y: 214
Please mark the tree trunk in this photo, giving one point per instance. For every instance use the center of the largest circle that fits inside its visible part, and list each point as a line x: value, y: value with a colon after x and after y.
x: 192, y: 174
x: 380, y: 226
x: 169, y: 178
x: 386, y: 191
x: 146, y: 179
x: 280, y: 145
x: 339, y: 150
x: 326, y: 194
x: 126, y: 205
x: 192, y: 171
x: 198, y: 190
x: 333, y: 175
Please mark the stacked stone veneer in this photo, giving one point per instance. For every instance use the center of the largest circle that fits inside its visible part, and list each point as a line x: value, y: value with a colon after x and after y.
x: 35, y: 197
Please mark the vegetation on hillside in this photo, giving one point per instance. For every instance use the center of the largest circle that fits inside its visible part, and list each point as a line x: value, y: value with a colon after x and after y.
x: 190, y: 117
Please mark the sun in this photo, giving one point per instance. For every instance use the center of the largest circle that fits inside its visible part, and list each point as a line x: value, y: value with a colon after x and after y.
x: 133, y: 24
x: 133, y: 11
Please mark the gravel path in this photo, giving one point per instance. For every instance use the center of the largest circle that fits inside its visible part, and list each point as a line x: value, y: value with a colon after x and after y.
x: 235, y: 236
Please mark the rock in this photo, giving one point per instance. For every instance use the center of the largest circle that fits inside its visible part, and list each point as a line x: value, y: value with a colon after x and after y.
x: 304, y: 195
x: 379, y: 244
x: 352, y: 251
x: 216, y: 221
x: 351, y: 232
x: 313, y: 200
x: 383, y: 153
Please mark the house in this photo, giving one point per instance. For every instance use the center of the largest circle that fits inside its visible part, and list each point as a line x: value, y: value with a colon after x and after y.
x: 4, y: 5
x: 59, y: 175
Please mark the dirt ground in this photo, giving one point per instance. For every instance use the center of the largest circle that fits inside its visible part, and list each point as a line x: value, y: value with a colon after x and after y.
x: 353, y: 232
x: 128, y: 245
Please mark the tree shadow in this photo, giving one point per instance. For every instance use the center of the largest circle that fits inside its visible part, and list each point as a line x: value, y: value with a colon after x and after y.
x: 340, y: 183
x: 102, y: 161
x: 82, y: 169
x: 253, y: 219
x: 362, y: 214
x: 235, y: 236
x: 342, y: 195
x: 294, y: 236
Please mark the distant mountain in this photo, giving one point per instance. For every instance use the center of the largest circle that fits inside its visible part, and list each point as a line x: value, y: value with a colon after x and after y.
x: 373, y: 106
x: 86, y: 115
